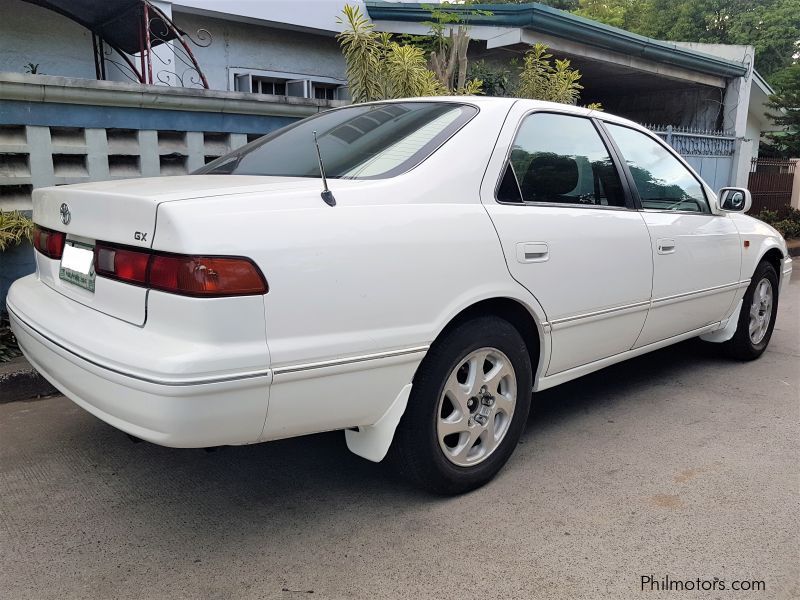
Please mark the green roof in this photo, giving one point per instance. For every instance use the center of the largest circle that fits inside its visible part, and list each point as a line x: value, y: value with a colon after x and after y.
x: 545, y: 19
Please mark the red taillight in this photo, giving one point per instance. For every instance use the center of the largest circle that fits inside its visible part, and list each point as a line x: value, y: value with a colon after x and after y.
x: 120, y: 263
x: 49, y: 242
x: 205, y: 276
x: 179, y: 274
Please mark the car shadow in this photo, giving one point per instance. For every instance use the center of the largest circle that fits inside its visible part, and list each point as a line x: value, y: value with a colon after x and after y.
x: 299, y: 484
x: 622, y: 380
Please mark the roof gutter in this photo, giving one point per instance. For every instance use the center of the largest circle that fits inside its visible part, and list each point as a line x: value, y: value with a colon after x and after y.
x: 544, y: 19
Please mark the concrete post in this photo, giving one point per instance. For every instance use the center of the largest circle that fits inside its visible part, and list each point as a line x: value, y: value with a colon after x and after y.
x: 97, y: 154
x: 41, y: 156
x: 795, y: 202
x: 195, y: 149
x: 148, y: 153
x: 736, y: 105
x: 238, y: 140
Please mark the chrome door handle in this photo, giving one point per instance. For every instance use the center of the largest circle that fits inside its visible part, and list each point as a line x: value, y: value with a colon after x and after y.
x: 528, y: 252
x: 665, y: 246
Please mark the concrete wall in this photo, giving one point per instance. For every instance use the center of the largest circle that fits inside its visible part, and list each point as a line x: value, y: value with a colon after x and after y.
x: 697, y: 107
x: 30, y: 34
x: 57, y: 130
x: 315, y: 14
x: 752, y: 134
x: 249, y: 46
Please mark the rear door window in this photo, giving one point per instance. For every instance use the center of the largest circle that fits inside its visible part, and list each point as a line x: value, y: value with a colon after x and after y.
x: 560, y: 159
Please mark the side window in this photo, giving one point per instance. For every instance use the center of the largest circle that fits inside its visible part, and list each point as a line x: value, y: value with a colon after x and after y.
x: 561, y: 159
x: 663, y: 182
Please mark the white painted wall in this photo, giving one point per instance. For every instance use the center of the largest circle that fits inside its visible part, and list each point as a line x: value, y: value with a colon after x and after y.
x: 753, y: 134
x: 244, y: 45
x: 315, y: 14
x: 32, y: 34
x: 312, y: 14
x: 738, y: 53
x: 29, y: 33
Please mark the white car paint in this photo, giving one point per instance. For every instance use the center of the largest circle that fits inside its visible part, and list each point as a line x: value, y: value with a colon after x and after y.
x: 359, y: 292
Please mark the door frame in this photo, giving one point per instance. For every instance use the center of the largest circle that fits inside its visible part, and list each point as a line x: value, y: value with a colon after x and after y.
x: 488, y: 193
x: 631, y: 195
x: 710, y: 198
x: 708, y: 193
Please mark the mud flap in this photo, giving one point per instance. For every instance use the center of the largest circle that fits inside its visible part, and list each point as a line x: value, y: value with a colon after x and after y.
x: 372, y: 442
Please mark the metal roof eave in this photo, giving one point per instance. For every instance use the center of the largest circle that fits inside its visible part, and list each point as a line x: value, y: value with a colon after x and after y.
x: 544, y: 19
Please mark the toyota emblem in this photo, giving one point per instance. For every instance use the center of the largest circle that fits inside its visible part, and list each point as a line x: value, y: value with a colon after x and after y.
x: 66, y: 216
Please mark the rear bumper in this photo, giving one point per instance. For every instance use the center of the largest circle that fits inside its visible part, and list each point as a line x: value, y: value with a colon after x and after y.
x: 194, y: 411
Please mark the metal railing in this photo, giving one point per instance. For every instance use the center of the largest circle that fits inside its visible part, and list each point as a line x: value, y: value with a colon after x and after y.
x: 770, y: 183
x: 691, y: 141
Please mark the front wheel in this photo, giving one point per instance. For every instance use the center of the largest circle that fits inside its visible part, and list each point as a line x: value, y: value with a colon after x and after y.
x: 757, y: 317
x: 469, y: 404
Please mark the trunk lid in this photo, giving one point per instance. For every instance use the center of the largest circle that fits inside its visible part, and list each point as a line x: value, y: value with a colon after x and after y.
x: 124, y: 212
x: 113, y: 211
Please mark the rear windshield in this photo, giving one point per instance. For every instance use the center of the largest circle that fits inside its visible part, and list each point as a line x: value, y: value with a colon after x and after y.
x: 371, y: 141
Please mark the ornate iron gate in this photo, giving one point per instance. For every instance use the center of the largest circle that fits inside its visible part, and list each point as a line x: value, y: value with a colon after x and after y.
x: 770, y: 183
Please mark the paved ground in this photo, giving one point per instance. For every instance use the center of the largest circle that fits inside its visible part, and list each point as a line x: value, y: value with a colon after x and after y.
x: 679, y: 464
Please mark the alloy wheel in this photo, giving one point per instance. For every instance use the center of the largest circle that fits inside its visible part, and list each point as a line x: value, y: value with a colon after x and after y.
x: 476, y: 407
x: 761, y: 311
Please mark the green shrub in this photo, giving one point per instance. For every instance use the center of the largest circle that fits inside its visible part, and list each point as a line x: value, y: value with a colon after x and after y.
x: 14, y: 228
x: 786, y: 221
x: 788, y: 228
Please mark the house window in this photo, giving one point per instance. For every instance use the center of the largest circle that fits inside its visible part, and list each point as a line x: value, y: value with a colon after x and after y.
x: 325, y: 92
x: 267, y: 85
x: 287, y: 84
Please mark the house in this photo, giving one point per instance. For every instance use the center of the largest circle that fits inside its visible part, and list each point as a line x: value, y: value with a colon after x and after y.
x: 88, y: 92
x: 281, y: 60
x: 707, y: 99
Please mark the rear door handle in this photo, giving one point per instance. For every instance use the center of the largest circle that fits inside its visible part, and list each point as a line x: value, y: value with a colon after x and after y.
x: 665, y: 246
x: 528, y: 252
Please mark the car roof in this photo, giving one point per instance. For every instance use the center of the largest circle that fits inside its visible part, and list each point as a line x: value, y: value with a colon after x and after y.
x: 530, y: 104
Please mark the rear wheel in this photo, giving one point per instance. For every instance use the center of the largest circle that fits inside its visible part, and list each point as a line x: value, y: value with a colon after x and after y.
x: 468, y: 406
x: 757, y: 317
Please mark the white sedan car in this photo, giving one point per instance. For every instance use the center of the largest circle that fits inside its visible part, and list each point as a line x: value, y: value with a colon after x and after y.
x: 468, y: 252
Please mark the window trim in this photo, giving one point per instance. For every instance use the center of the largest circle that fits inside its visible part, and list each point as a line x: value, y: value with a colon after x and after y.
x: 310, y: 80
x: 630, y: 203
x: 670, y: 150
x: 204, y: 169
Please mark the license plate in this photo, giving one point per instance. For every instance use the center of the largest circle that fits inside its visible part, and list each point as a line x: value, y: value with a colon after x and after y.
x: 77, y: 265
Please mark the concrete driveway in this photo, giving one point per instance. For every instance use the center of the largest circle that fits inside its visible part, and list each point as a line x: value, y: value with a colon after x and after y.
x: 680, y: 464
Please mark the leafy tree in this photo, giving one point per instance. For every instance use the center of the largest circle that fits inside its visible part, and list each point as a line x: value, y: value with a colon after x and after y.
x: 784, y: 108
x: 543, y: 79
x: 568, y: 5
x: 447, y: 43
x: 450, y: 54
x: 771, y: 26
x: 378, y: 68
x: 495, y: 80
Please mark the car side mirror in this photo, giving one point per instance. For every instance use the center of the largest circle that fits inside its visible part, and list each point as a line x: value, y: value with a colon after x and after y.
x: 732, y: 199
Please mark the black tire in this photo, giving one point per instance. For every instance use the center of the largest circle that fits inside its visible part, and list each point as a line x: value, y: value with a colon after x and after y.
x: 416, y: 449
x: 741, y: 346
